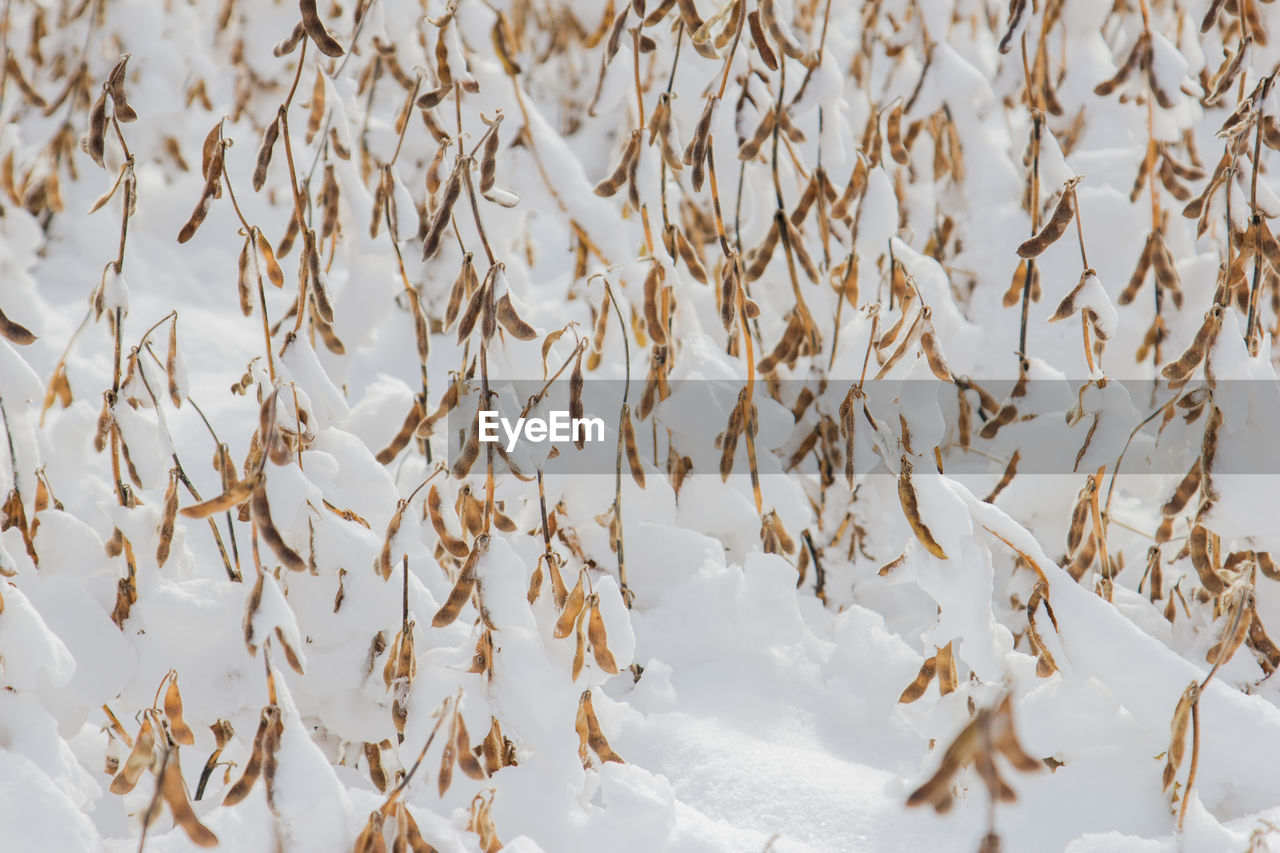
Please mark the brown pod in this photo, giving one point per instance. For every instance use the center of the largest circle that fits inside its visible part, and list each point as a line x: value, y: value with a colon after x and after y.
x: 729, y: 284
x: 769, y: 14
x: 654, y: 321
x: 168, y: 515
x: 599, y: 640
x: 572, y: 608
x: 1140, y: 272
x: 315, y: 30
x: 751, y: 147
x: 261, y: 510
x: 629, y: 444
x: 139, y: 759
x: 1182, y: 495
x: 767, y: 56
x: 401, y: 440
x: 461, y: 591
x: 96, y: 139
x: 290, y: 42
x: 489, y: 157
x: 1165, y: 271
x: 269, y: 137
x: 512, y: 322
x: 924, y: 678
x: 457, y: 292
x: 1198, y: 545
x: 1054, y: 228
x: 455, y: 546
x: 911, y: 509
x: 618, y: 176
x: 440, y: 219
x: 690, y: 257
x: 1130, y: 64
x: 1017, y: 8
x: 14, y: 332
x: 173, y: 712
x: 1181, y: 368
x: 1236, y: 631
x: 757, y: 259
x: 893, y: 129
x: 243, y: 283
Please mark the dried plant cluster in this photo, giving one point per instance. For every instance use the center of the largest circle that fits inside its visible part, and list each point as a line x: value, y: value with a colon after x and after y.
x: 815, y: 198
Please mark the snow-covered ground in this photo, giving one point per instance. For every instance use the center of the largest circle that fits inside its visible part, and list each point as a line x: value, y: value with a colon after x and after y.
x: 269, y: 595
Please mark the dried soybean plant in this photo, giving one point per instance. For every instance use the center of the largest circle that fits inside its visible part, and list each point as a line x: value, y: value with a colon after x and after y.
x: 989, y: 734
x: 156, y: 748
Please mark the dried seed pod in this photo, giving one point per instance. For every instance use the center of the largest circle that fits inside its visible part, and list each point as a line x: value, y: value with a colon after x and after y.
x: 1165, y: 271
x: 616, y: 178
x: 1080, y: 516
x: 243, y: 284
x: 268, y: 258
x: 168, y: 514
x: 1182, y: 495
x: 237, y: 493
x: 1145, y: 260
x: 1178, y: 731
x: 455, y: 546
x: 174, y: 793
x: 1017, y: 8
x: 924, y: 678
x: 461, y: 591
x: 1137, y: 56
x: 173, y: 712
x: 458, y: 291
x: 14, y: 332
x: 932, y: 349
x: 489, y: 158
x: 946, y: 665
x: 261, y: 510
x: 1198, y: 544
x: 911, y: 509
x: 504, y: 44
x: 1180, y: 369
x: 653, y: 317
x: 690, y: 257
x: 511, y: 321
x: 757, y: 259
x: 749, y: 149
x: 95, y: 142
x: 267, y: 722
x: 138, y: 760
x: 1055, y: 227
x: 767, y: 56
x: 440, y: 219
x: 572, y: 609
x: 269, y: 137
x: 401, y: 439
x: 599, y: 640
x: 1235, y: 630
x: 589, y: 733
x: 290, y: 42
x: 893, y: 130
x: 779, y: 32
x: 695, y: 154
x: 795, y: 242
x: 466, y: 758
x: 629, y: 444
x: 315, y: 30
